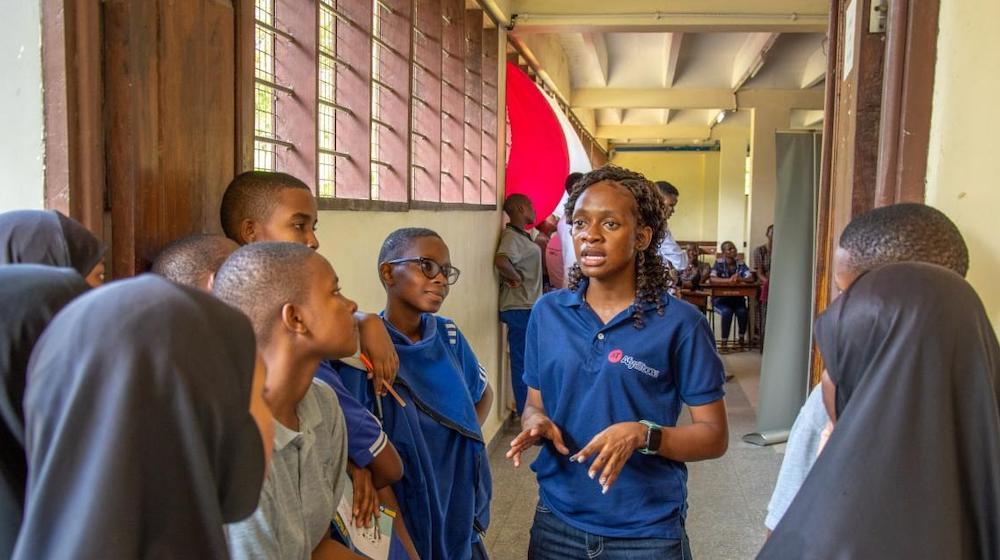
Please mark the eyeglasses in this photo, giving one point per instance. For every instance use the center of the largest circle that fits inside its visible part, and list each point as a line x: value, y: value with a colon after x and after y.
x: 431, y: 268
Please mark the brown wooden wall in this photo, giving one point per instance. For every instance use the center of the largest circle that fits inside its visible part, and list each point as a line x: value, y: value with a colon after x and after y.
x: 169, y: 83
x: 140, y: 118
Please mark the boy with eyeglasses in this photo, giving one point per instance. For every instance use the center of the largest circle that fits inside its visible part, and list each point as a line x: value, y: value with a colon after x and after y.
x: 518, y: 260
x: 446, y: 487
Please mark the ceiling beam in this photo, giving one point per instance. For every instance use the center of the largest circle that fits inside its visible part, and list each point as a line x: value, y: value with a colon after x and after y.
x: 653, y: 98
x: 781, y: 98
x: 654, y: 131
x: 750, y: 58
x: 672, y: 50
x: 560, y: 16
x: 597, y: 51
x: 815, y: 69
x: 674, y: 98
x: 806, y: 119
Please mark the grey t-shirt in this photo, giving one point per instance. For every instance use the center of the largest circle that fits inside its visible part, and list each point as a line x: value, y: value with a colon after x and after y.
x: 800, y: 455
x: 305, y: 481
x: 526, y: 256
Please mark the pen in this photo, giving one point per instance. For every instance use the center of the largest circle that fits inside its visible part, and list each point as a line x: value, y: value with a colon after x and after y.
x: 371, y: 367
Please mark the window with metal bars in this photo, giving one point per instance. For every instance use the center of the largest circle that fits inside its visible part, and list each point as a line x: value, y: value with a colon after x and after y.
x: 265, y: 92
x: 326, y: 102
x: 354, y: 97
x: 390, y: 92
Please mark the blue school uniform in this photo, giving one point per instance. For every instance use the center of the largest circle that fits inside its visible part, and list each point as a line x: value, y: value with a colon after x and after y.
x: 365, y: 438
x: 727, y: 306
x: 446, y: 486
x: 592, y: 375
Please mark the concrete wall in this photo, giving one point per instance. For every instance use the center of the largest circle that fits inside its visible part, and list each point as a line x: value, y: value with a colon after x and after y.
x: 963, y: 170
x: 732, y: 199
x: 351, y: 241
x: 696, y: 176
x: 22, y: 155
x: 551, y: 59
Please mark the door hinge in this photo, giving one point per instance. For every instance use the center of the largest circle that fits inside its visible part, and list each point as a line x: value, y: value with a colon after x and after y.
x: 879, y: 13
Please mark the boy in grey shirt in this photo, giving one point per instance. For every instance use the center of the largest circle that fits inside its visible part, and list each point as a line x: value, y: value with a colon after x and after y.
x: 519, y: 262
x: 300, y: 317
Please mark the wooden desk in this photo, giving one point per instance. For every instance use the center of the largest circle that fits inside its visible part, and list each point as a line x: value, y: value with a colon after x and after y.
x: 697, y: 298
x: 749, y: 291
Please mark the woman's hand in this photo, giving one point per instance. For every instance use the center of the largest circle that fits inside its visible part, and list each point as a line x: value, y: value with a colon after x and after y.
x: 377, y: 346
x: 613, y: 447
x: 536, y: 427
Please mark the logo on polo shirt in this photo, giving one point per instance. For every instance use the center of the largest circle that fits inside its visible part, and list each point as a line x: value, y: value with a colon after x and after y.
x: 616, y: 356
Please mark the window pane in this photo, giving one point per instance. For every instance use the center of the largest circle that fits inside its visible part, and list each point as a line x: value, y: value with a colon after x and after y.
x: 327, y: 165
x: 265, y: 99
x: 326, y: 127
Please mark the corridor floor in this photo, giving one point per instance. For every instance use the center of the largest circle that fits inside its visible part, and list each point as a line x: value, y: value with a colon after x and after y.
x: 727, y: 497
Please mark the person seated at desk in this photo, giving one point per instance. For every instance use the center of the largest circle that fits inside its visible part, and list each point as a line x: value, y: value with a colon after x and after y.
x: 729, y: 269
x: 697, y: 272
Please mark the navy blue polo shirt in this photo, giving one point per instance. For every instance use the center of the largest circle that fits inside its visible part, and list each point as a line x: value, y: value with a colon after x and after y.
x: 592, y: 375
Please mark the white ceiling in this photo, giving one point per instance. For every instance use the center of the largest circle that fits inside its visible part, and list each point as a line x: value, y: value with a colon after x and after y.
x: 719, y: 61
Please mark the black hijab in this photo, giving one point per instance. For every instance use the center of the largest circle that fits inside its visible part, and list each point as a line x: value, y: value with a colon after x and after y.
x: 48, y: 237
x: 912, y: 469
x: 30, y: 296
x: 139, y: 436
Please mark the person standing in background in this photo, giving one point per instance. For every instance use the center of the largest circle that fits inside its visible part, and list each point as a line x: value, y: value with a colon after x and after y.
x: 669, y: 249
x: 761, y: 264
x: 518, y: 260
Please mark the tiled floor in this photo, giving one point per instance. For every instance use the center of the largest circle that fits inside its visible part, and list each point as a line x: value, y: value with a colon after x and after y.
x: 727, y: 496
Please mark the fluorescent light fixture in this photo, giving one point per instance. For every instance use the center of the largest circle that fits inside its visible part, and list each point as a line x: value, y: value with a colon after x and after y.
x: 720, y: 117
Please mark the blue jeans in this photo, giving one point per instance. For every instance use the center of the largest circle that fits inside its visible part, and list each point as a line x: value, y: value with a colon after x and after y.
x: 517, y: 331
x: 551, y: 539
x: 728, y: 306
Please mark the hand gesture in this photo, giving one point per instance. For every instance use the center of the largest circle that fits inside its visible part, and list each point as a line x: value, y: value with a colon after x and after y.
x: 378, y: 347
x: 536, y: 427
x: 613, y: 447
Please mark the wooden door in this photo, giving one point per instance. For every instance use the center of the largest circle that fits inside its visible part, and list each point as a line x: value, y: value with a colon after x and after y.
x: 877, y: 126
x: 145, y: 143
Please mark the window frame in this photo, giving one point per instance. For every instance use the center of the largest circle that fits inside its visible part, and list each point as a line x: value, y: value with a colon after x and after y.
x: 304, y: 29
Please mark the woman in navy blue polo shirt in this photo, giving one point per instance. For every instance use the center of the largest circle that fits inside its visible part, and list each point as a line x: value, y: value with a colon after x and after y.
x: 604, y: 401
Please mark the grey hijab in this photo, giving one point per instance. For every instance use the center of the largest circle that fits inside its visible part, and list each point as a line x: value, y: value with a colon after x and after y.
x: 47, y: 237
x: 912, y: 469
x: 139, y: 437
x: 30, y: 295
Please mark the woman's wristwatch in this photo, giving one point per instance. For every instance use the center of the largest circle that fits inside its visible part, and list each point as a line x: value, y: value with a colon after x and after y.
x: 653, y: 438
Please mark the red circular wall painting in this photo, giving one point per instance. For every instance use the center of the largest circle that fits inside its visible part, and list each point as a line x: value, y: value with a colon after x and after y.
x: 537, y: 158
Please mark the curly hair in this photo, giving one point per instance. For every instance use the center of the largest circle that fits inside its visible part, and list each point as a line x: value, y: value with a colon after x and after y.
x: 904, y: 232
x: 652, y: 278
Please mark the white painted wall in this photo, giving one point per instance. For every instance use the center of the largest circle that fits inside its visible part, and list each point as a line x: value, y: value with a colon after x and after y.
x: 22, y: 154
x: 963, y: 171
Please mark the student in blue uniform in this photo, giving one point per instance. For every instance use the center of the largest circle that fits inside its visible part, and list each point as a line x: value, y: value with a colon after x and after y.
x: 604, y: 399
x: 446, y: 487
x: 374, y: 463
x: 731, y: 270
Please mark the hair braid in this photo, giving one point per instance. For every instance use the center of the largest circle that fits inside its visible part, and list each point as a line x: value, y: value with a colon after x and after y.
x: 652, y: 276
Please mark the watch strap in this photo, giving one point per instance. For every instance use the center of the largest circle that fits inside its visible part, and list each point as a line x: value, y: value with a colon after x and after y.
x: 653, y: 437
